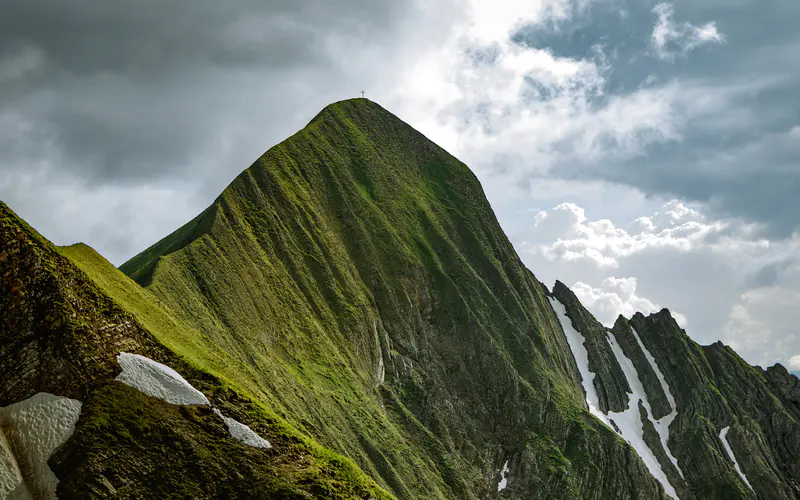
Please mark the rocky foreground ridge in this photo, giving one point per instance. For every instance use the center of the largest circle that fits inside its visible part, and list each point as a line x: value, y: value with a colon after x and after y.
x: 351, y: 301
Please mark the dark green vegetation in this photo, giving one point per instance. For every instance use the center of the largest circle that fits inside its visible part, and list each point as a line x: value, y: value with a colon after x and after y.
x: 359, y: 279
x: 60, y: 332
x: 352, y: 291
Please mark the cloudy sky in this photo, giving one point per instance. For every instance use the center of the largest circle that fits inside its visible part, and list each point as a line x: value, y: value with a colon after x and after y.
x: 645, y: 153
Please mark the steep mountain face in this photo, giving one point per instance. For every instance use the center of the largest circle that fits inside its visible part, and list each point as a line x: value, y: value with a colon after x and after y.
x: 359, y: 273
x: 70, y: 428
x: 351, y: 293
x: 359, y: 279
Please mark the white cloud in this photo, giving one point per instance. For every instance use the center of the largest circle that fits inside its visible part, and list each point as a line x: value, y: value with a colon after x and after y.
x: 567, y: 234
x: 617, y: 296
x: 670, y: 38
x: 762, y: 324
x: 718, y: 278
x: 794, y: 362
x: 106, y: 213
x: 516, y: 111
x: 19, y: 64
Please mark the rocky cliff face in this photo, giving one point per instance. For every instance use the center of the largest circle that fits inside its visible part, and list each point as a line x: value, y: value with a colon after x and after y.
x: 353, y: 290
x: 731, y: 429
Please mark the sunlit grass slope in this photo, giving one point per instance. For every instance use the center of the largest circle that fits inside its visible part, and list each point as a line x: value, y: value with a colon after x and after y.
x: 66, y: 315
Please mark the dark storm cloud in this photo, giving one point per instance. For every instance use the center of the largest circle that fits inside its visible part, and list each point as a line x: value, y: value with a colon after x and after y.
x: 152, y: 37
x: 744, y: 158
x: 769, y: 275
x: 121, y: 90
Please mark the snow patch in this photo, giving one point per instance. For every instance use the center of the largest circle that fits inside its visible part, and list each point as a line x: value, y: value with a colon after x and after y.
x: 662, y: 424
x: 503, y: 478
x: 723, y: 436
x: 581, y: 355
x: 243, y: 433
x: 627, y: 424
x: 33, y: 429
x: 10, y: 476
x: 160, y: 381
x: 630, y: 421
x: 157, y: 380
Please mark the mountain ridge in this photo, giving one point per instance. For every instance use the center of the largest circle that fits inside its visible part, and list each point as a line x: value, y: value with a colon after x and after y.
x: 60, y: 334
x: 367, y: 177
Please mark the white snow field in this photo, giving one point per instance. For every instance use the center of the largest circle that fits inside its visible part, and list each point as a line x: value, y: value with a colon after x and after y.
x: 243, y: 433
x: 723, y: 436
x: 157, y: 380
x: 33, y: 429
x: 662, y: 424
x: 161, y: 381
x: 503, y: 477
x: 10, y: 475
x: 628, y: 422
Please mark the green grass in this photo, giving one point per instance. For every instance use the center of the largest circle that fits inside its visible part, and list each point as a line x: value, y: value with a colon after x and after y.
x: 354, y: 237
x: 77, y: 312
x: 145, y: 447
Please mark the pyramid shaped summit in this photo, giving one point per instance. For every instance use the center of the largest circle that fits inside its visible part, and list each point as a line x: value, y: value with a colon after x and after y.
x: 359, y: 265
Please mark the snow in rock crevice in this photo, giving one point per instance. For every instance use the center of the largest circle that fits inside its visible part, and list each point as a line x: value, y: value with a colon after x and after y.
x: 501, y: 485
x: 243, y: 433
x: 31, y: 431
x: 661, y: 425
x: 628, y: 423
x: 581, y: 355
x: 157, y: 380
x: 723, y: 436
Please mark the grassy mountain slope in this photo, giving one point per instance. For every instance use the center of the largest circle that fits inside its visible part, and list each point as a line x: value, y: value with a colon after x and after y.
x: 61, y: 328
x: 358, y: 283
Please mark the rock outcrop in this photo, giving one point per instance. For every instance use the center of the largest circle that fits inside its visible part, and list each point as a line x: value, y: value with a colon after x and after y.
x: 735, y: 429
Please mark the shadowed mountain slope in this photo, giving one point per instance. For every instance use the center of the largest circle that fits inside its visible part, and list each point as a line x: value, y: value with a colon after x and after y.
x: 717, y: 400
x: 61, y: 328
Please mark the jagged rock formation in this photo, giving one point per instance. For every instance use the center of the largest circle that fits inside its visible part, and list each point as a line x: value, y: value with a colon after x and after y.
x: 720, y: 401
x: 353, y: 284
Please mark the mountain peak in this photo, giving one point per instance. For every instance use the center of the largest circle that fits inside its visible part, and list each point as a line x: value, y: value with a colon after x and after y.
x: 354, y: 108
x: 358, y: 265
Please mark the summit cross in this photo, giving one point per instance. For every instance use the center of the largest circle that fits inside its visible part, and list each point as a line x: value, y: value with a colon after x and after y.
x: 362, y: 94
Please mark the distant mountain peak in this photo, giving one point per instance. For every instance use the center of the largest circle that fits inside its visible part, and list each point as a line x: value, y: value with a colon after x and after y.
x: 352, y: 108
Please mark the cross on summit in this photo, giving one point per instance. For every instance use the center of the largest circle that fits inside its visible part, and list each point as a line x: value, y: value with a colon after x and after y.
x: 362, y: 94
